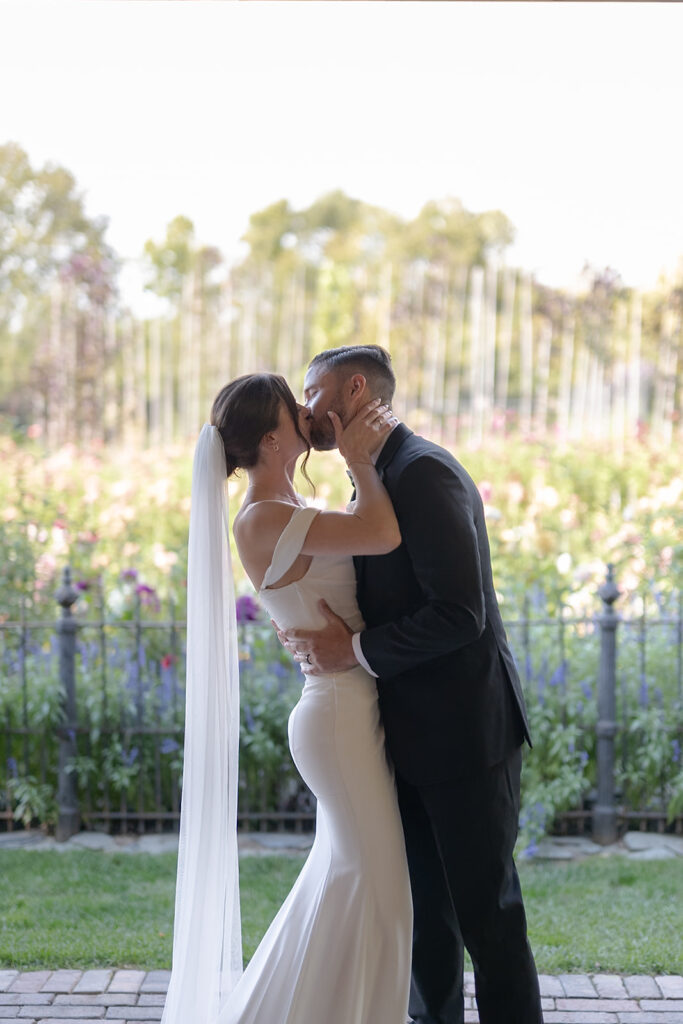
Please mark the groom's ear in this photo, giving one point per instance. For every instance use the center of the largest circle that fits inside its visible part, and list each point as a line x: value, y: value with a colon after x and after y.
x: 358, y: 388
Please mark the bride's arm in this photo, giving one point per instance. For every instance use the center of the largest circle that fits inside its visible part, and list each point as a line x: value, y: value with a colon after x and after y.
x: 370, y: 526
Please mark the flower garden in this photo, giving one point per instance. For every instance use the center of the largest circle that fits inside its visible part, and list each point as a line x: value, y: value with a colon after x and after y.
x: 557, y: 515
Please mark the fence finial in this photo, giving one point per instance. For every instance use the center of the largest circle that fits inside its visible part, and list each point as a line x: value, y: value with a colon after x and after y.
x: 609, y: 591
x: 66, y: 595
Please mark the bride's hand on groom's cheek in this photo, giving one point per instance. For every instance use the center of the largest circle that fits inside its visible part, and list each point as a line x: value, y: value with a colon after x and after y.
x: 320, y: 651
x: 373, y: 422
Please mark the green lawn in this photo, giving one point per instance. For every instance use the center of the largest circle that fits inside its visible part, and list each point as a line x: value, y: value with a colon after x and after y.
x: 85, y: 909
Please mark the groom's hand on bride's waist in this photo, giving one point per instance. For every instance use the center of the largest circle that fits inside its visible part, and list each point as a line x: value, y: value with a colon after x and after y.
x: 320, y: 651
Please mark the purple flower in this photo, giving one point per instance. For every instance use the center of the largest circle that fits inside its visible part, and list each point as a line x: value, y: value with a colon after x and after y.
x: 148, y: 596
x: 643, y: 696
x: 129, y: 574
x: 675, y: 751
x: 82, y: 585
x: 558, y: 676
x: 587, y: 691
x: 246, y: 609
x: 130, y: 757
x: 12, y: 767
x: 167, y: 746
x: 583, y: 758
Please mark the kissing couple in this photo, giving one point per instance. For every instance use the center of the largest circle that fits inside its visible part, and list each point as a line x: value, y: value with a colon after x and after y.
x: 409, y: 729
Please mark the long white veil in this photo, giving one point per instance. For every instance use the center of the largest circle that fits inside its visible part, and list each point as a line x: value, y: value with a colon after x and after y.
x: 207, y: 943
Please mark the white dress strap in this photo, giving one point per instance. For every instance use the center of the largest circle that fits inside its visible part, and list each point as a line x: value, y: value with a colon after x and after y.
x: 289, y: 544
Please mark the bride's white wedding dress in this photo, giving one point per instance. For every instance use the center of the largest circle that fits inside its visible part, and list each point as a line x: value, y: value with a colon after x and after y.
x: 338, y: 951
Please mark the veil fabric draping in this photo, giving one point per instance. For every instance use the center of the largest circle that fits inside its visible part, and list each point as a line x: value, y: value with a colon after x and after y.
x: 207, y: 943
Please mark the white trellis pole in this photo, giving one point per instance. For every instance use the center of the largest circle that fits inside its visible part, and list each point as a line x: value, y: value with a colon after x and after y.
x: 155, y: 389
x: 54, y: 398
x: 634, y: 371
x: 543, y: 376
x: 384, y: 308
x: 169, y: 370
x: 457, y: 306
x: 490, y: 323
x: 505, y: 341
x: 476, y: 368
x: 579, y: 392
x: 434, y: 360
x: 526, y: 340
x: 111, y: 398
x: 566, y: 374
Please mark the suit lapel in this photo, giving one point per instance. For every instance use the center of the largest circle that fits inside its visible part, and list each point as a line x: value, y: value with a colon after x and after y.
x: 392, y: 445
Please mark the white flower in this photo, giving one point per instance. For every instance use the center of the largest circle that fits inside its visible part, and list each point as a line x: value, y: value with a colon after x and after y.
x: 564, y: 563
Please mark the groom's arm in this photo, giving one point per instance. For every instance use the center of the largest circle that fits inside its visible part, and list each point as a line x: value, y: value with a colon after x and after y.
x: 436, y: 514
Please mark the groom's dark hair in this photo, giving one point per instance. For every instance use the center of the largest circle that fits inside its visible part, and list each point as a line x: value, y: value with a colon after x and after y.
x: 372, y: 361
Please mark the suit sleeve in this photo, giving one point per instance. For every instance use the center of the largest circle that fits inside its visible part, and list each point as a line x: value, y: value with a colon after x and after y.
x: 436, y: 515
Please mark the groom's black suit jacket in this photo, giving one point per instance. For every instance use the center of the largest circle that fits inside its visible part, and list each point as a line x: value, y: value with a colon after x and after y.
x: 449, y: 692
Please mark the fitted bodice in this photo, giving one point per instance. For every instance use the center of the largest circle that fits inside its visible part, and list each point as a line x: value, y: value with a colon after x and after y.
x: 331, y: 577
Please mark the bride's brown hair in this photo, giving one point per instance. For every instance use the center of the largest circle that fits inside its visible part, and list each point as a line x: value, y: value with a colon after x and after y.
x: 246, y: 409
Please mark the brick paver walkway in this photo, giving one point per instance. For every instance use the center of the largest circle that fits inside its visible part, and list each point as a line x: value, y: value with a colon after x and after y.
x: 131, y: 997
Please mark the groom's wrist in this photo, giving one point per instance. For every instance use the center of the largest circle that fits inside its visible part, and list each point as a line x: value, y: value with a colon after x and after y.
x: 360, y: 657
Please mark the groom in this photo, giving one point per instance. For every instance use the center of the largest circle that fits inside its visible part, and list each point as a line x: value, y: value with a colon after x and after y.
x: 451, y: 703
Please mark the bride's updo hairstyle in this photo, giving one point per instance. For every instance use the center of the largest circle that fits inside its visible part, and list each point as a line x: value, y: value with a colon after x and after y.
x: 248, y: 408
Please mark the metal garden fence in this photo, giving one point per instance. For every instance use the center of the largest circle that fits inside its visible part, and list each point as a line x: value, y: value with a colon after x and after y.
x: 92, y: 718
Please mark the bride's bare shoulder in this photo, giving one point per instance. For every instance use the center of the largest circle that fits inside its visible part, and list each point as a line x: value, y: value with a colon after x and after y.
x: 260, y: 518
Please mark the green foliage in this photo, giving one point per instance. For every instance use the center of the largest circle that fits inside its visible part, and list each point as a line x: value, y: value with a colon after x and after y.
x: 34, y: 801
x: 269, y: 688
x: 559, y: 771
x: 556, y: 516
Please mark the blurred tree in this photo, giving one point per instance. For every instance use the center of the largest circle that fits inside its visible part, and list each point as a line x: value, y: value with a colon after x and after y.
x: 346, y: 246
x: 189, y: 359
x: 47, y: 243
x: 445, y: 233
x: 173, y: 261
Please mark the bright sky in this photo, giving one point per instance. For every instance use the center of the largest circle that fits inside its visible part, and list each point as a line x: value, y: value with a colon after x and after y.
x: 565, y: 116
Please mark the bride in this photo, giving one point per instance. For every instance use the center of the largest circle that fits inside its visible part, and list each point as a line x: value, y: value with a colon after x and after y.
x: 338, y: 951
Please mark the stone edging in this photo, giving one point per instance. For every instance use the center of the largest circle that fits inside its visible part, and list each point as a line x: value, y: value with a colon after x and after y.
x: 634, y: 845
x: 131, y: 997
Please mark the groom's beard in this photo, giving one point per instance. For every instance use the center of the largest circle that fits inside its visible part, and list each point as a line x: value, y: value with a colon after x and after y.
x: 322, y: 434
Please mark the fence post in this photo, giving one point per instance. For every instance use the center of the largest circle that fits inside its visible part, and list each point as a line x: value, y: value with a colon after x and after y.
x: 68, y: 814
x: 605, y: 810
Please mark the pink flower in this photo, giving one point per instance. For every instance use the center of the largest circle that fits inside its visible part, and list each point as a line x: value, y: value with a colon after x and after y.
x: 486, y: 491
